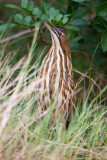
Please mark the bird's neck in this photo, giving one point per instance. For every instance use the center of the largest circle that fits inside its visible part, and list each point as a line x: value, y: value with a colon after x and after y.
x: 57, y: 48
x: 64, y: 48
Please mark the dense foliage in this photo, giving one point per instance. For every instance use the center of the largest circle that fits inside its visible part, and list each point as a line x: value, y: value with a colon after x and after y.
x: 84, y: 20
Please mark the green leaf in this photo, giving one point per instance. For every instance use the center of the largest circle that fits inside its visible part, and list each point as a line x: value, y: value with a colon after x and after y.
x: 44, y: 7
x: 33, y: 25
x: 67, y: 15
x: 95, y: 4
x: 100, y: 24
x: 102, y: 11
x: 75, y: 45
x: 104, y: 41
x: 6, y: 26
x: 81, y: 12
x: 23, y: 23
x: 13, y: 6
x: 72, y: 28
x: 52, y: 12
x: 30, y: 6
x: 78, y: 22
x: 18, y: 18
x: 28, y: 19
x: 56, y: 12
x: 55, y: 22
x: 35, y: 11
x: 70, y: 33
x: 64, y: 20
x: 76, y: 39
x: 44, y: 17
x: 24, y: 3
x: 58, y: 17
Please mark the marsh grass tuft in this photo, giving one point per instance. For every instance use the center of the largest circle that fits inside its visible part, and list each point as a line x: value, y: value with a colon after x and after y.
x: 26, y: 134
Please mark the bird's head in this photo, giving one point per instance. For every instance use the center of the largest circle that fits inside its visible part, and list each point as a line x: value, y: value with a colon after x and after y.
x: 59, y: 37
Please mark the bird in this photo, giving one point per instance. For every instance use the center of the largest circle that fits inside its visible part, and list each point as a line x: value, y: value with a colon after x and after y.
x: 57, y: 81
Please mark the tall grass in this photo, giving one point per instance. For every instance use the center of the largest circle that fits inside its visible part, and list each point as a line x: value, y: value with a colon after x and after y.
x: 26, y: 134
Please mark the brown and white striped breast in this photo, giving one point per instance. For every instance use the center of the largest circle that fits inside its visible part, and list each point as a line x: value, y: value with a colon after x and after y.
x: 57, y: 84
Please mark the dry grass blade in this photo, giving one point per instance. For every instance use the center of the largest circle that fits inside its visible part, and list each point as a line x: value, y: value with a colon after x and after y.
x: 5, y: 82
x: 26, y: 132
x: 23, y: 33
x: 15, y: 99
x: 85, y: 75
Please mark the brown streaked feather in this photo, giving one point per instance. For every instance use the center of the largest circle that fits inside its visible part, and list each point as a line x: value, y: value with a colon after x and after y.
x: 57, y: 78
x: 64, y: 43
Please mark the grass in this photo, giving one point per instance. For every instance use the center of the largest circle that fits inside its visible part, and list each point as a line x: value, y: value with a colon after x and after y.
x: 26, y: 134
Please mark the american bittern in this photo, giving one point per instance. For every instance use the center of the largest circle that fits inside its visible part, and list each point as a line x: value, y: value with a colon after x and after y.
x: 56, y: 73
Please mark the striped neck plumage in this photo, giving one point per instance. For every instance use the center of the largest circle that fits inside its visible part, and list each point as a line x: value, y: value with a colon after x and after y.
x: 59, y: 39
x: 55, y: 42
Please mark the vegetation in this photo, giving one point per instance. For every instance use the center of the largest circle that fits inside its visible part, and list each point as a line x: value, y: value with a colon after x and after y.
x: 24, y: 132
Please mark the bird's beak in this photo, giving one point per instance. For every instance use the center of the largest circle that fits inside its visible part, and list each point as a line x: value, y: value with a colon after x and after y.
x: 50, y: 27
